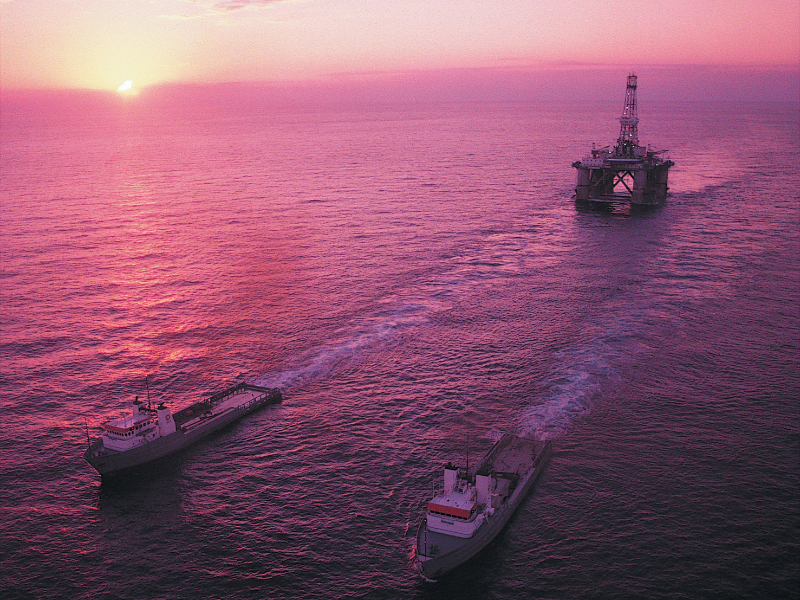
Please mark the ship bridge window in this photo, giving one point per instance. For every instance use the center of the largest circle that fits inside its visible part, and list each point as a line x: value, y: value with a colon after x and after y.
x: 449, y: 516
x: 443, y: 514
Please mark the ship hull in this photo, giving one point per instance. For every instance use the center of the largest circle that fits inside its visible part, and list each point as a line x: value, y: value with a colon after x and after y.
x: 439, y: 553
x: 110, y: 462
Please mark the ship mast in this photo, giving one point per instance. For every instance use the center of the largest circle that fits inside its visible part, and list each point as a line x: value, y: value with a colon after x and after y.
x: 628, y: 122
x: 150, y: 406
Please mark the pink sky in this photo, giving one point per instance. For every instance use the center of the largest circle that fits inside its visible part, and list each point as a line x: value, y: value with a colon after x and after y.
x: 99, y: 44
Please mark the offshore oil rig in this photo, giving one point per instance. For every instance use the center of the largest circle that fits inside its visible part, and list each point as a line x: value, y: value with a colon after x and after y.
x: 629, y: 173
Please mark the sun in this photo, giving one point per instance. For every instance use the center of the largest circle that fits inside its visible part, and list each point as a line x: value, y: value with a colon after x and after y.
x: 125, y: 87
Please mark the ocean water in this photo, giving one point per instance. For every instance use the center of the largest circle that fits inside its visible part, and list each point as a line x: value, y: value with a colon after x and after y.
x: 417, y: 281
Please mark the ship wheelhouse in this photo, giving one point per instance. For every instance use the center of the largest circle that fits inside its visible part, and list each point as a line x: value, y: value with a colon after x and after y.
x: 129, y: 432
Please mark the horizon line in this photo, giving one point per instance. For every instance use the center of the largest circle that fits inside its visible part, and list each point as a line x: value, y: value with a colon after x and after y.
x: 345, y: 77
x: 565, y: 82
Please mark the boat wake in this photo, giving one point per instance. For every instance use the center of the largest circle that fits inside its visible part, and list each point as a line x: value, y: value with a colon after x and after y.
x: 318, y: 363
x: 586, y: 371
x: 583, y: 372
x: 570, y: 394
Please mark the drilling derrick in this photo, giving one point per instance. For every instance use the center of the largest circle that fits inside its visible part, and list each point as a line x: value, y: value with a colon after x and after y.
x: 628, y: 122
x: 631, y: 173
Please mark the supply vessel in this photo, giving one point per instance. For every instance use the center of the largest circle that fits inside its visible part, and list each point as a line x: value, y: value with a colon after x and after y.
x: 149, y: 434
x: 471, y: 510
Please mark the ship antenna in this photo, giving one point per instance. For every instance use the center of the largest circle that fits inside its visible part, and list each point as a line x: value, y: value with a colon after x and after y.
x: 467, y: 457
x: 88, y: 439
x: 147, y: 385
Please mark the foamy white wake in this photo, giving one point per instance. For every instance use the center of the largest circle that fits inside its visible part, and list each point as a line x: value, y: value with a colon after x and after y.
x: 569, y: 395
x: 585, y: 372
x: 318, y: 363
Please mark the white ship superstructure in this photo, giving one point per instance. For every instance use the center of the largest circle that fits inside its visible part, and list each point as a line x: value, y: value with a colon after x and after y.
x: 142, y: 426
x: 455, y: 510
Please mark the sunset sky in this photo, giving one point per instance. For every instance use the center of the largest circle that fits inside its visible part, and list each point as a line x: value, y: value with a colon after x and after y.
x: 99, y: 44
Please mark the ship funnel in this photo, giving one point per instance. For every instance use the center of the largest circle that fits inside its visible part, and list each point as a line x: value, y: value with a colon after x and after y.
x: 166, y: 424
x: 450, y: 473
x: 137, y: 404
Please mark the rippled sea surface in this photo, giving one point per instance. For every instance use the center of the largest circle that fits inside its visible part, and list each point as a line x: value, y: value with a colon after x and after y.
x: 417, y: 281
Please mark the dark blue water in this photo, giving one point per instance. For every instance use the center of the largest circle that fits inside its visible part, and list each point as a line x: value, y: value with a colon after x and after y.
x: 417, y: 281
